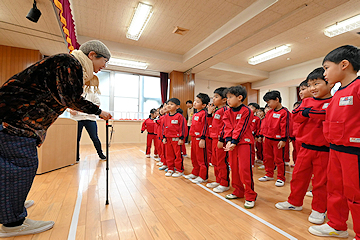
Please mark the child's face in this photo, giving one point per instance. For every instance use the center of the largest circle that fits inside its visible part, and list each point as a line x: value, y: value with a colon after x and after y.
x: 253, y: 109
x: 260, y: 114
x: 218, y: 100
x: 267, y: 109
x: 198, y: 104
x: 234, y: 101
x: 273, y: 103
x: 157, y: 112
x: 172, y: 107
x: 296, y: 105
x: 318, y: 88
x: 304, y: 92
x: 189, y: 105
x: 333, y: 72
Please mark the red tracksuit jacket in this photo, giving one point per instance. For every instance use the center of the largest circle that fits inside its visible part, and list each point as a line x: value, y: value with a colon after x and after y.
x: 237, y: 123
x: 255, y: 126
x: 341, y: 126
x: 174, y: 126
x: 277, y: 124
x: 199, y: 125
x: 148, y: 125
x: 217, y: 124
x: 310, y: 130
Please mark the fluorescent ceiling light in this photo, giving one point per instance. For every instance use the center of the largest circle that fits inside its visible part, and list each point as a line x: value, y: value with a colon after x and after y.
x: 140, y: 19
x: 273, y: 53
x: 343, y: 26
x: 127, y: 63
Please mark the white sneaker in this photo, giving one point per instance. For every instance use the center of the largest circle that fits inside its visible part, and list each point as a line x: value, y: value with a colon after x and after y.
x: 210, y: 164
x: 265, y: 178
x: 28, y: 203
x: 249, y: 204
x: 220, y: 189
x: 287, y: 206
x: 279, y: 183
x: 28, y: 227
x: 147, y: 155
x: 316, y: 217
x: 177, y: 174
x: 231, y: 196
x: 169, y: 173
x: 198, y: 180
x: 159, y: 164
x: 309, y: 194
x: 190, y: 176
x: 163, y: 167
x: 287, y: 163
x: 261, y: 167
x: 212, y: 185
x: 156, y: 156
x: 326, y: 231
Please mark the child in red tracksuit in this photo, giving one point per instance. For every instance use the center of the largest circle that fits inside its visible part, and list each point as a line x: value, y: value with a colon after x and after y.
x: 219, y: 157
x: 276, y: 130
x: 259, y: 143
x: 314, y: 153
x: 149, y: 126
x: 255, y: 127
x: 239, y: 141
x: 174, y: 132
x: 198, y: 130
x: 342, y: 130
x: 163, y: 111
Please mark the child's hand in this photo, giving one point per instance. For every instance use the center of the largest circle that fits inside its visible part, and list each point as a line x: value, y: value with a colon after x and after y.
x: 211, y: 108
x: 164, y: 141
x: 220, y: 144
x: 281, y: 144
x: 229, y: 146
x: 180, y: 142
x: 202, y: 143
x: 260, y: 139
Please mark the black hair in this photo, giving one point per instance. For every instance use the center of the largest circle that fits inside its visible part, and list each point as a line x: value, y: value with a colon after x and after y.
x: 304, y: 83
x: 237, y: 91
x: 317, y: 73
x: 346, y: 52
x: 266, y: 106
x: 179, y: 110
x: 220, y: 91
x: 298, y: 102
x: 152, y: 111
x: 174, y: 100
x: 262, y: 109
x: 204, y: 98
x: 188, y: 101
x: 272, y: 95
x: 255, y: 105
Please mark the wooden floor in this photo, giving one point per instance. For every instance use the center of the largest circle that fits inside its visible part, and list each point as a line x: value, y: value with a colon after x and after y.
x: 144, y: 204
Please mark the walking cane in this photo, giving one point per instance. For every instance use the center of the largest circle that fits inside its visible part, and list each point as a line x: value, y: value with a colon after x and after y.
x: 107, y: 162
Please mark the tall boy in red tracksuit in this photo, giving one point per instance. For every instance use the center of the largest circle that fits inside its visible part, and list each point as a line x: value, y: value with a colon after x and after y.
x: 313, y: 156
x: 255, y: 127
x: 149, y: 126
x: 276, y: 130
x: 198, y: 131
x: 219, y: 156
x: 174, y: 132
x: 239, y: 141
x: 342, y: 130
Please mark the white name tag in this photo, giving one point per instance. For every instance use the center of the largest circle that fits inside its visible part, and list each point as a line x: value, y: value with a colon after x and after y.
x: 276, y: 115
x: 196, y: 118
x: 325, y: 105
x: 217, y: 116
x: 174, y: 121
x: 278, y: 136
x: 197, y: 133
x: 238, y: 116
x: 344, y: 101
x: 247, y: 140
x: 254, y: 120
x: 355, y: 140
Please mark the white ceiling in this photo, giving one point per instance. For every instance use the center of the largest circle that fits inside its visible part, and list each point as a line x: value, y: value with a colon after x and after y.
x: 223, y: 33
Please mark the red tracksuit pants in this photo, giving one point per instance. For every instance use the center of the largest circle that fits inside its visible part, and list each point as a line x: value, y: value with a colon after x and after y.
x: 209, y: 149
x: 343, y: 190
x: 259, y: 150
x: 199, y: 159
x: 150, y: 139
x: 219, y: 159
x: 183, y: 149
x: 173, y: 156
x: 163, y: 153
x: 287, y: 151
x: 241, y: 172
x: 310, y: 162
x: 158, y: 144
x: 274, y: 155
x: 296, y: 149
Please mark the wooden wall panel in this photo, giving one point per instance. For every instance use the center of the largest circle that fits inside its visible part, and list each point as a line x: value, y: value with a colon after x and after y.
x: 181, y: 88
x: 252, y: 94
x: 14, y: 60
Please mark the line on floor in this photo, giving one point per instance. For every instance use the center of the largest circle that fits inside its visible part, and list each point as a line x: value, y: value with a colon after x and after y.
x: 250, y: 214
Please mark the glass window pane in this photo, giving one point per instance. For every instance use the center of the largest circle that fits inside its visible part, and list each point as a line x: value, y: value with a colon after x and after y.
x: 150, y: 104
x: 104, y: 83
x: 126, y: 85
x: 125, y: 108
x: 152, y: 87
x: 104, y: 102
